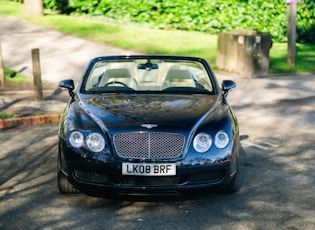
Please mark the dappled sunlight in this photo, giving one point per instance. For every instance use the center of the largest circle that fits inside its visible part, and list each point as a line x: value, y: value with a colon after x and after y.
x: 277, y: 157
x: 19, y: 178
x: 29, y: 190
x: 36, y: 202
x: 276, y: 174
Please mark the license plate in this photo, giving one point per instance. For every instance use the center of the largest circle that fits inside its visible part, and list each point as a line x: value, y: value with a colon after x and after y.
x: 149, y: 169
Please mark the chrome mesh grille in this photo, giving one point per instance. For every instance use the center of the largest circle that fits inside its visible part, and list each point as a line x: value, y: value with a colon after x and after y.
x: 99, y: 178
x: 149, y: 145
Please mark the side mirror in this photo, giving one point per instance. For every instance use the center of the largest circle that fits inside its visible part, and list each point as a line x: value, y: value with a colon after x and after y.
x: 227, y: 85
x: 69, y: 85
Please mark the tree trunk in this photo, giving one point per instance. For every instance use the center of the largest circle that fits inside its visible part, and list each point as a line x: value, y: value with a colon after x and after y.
x: 291, y: 56
x: 33, y: 8
x: 1, y: 67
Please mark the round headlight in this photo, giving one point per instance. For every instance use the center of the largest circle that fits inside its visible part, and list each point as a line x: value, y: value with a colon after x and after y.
x: 95, y: 142
x: 221, y: 139
x: 76, y: 139
x: 202, y: 142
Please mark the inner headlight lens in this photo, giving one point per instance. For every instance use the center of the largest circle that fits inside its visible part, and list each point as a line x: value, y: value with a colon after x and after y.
x: 202, y: 142
x: 221, y: 139
x: 76, y: 139
x: 95, y: 142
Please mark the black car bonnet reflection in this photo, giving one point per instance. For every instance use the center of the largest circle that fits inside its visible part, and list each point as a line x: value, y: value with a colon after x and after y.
x: 164, y: 109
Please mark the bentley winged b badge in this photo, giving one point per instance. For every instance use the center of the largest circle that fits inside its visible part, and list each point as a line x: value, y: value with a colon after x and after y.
x: 149, y: 126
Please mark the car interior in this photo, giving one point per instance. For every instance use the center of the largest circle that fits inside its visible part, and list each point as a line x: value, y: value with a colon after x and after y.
x: 163, y: 76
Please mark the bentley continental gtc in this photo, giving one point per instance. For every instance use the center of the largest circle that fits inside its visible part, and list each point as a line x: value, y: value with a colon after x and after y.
x: 147, y: 124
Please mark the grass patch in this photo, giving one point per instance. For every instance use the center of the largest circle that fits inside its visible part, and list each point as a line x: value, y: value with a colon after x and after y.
x: 12, y: 76
x: 4, y: 115
x: 150, y: 41
x: 305, y: 58
x: 130, y: 37
x: 10, y: 8
x: 40, y: 113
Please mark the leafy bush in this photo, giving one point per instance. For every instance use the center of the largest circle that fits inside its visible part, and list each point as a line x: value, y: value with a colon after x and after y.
x: 306, y: 21
x: 210, y: 16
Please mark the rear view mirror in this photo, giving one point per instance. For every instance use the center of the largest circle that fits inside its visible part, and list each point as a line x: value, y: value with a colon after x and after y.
x: 69, y: 85
x: 227, y: 85
x: 148, y: 66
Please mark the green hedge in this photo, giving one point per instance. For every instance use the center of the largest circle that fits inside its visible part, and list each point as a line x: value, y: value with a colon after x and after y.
x: 210, y: 16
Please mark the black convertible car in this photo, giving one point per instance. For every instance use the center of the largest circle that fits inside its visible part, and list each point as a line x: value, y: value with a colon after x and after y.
x: 147, y: 124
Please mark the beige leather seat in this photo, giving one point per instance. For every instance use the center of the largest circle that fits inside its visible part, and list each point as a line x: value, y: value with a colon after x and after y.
x: 178, y: 78
x: 118, y: 75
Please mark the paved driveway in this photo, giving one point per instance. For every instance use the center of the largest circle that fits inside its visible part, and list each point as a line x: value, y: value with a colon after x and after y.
x: 61, y: 56
x: 276, y: 117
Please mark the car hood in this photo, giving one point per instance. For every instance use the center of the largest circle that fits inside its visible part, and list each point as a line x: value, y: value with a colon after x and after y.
x: 128, y: 110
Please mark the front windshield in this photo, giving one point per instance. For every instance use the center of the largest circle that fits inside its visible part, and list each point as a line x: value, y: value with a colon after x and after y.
x: 147, y: 75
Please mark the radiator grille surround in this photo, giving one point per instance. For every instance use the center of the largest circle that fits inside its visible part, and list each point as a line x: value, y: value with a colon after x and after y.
x: 149, y: 145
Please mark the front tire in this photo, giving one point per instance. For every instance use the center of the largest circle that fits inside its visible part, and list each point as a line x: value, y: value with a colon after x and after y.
x: 233, y: 185
x: 64, y: 186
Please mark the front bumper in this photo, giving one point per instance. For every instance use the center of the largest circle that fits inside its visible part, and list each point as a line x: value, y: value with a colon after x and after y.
x: 186, y: 178
x: 102, y: 172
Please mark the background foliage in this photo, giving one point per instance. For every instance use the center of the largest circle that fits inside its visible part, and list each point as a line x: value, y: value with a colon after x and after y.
x: 210, y: 16
x: 158, y: 41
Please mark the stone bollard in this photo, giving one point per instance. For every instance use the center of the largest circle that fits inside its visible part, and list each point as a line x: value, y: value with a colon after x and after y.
x: 244, y: 52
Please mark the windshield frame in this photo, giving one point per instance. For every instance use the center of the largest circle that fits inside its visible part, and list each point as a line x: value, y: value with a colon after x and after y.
x: 152, y: 63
